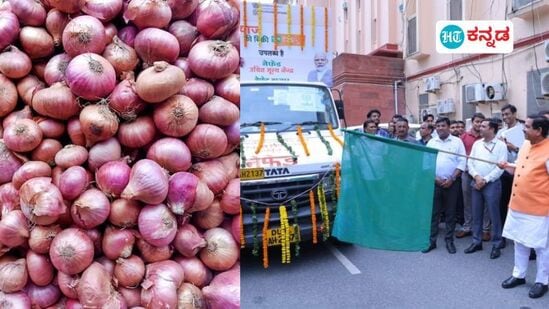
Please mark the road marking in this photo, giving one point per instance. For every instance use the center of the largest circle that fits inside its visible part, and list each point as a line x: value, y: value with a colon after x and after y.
x: 344, y: 260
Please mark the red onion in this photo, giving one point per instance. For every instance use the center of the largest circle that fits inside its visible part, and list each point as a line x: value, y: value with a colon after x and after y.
x: 195, y: 271
x: 183, y: 64
x: 9, y: 28
x: 95, y: 289
x: 207, y: 141
x: 122, y: 57
x: 219, y: 111
x: 231, y: 162
x: 113, y: 177
x: 56, y: 21
x: 55, y: 69
x: 97, y: 238
x: 56, y: 102
x: 90, y: 209
x: 235, y: 228
x: 90, y: 76
x: 234, y: 38
x: 157, y: 225
x: 125, y: 101
x: 110, y: 32
x: 221, y: 252
x: 30, y: 170
x: 29, y: 12
x: 117, y: 243
x: 9, y: 92
x: 229, y: 88
x: 104, y: 152
x: 71, y: 155
x: 213, y: 173
x: 23, y: 135
x: 171, y: 153
x: 73, y: 182
x: 73, y: 304
x: 216, y: 18
x: 36, y: 42
x: 230, y: 202
x: 41, y: 238
x: 84, y: 34
x: 188, y: 194
x: 9, y: 198
x: 46, y: 151
x: 224, y: 290
x: 148, y: 13
x: 154, y: 44
x: 182, y: 9
x: 50, y: 128
x: 27, y: 87
x: 39, y: 68
x: 124, y: 213
x: 14, y: 63
x: 24, y: 113
x: 148, y: 183
x: 185, y: 33
x: 71, y: 251
x: 13, y: 275
x: 159, y: 82
x: 68, y: 284
x: 127, y: 34
x: 104, y: 10
x: 188, y: 241
x: 98, y: 123
x: 15, y: 300
x: 67, y: 6
x: 190, y: 297
x: 199, y: 90
x: 151, y: 254
x: 162, y: 279
x: 210, y: 217
x: 43, y: 296
x: 132, y: 296
x: 233, y: 133
x: 137, y: 133
x: 14, y: 230
x: 213, y: 59
x: 129, y: 272
x: 177, y: 116
x: 74, y: 128
x: 40, y: 269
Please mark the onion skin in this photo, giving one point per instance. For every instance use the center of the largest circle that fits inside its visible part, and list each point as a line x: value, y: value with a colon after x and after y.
x: 40, y: 269
x: 171, y: 153
x: 98, y: 123
x: 157, y: 225
x: 216, y: 18
x: 213, y: 173
x: 187, y: 193
x: 71, y: 251
x: 55, y: 68
x: 41, y: 201
x: 56, y: 102
x: 43, y: 296
x: 90, y: 76
x: 9, y: 198
x: 90, y: 209
x: 122, y: 56
x: 41, y: 238
x: 68, y: 284
x: 117, y: 243
x: 190, y: 297
x: 129, y: 272
x: 148, y: 183
x: 188, y: 241
x: 9, y: 96
x: 95, y: 288
x: 14, y: 230
x: 67, y: 6
x: 26, y: 88
x: 159, y: 82
x: 127, y: 34
x: 14, y: 63
x: 152, y: 254
x: 15, y: 300
x: 36, y: 42
x: 13, y: 275
x: 162, y: 279
x: 176, y: 117
x: 124, y: 101
x: 30, y: 170
x: 124, y: 213
x: 9, y: 28
x: 221, y: 253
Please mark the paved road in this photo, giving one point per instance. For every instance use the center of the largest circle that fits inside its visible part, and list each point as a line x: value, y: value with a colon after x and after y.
x: 387, y: 279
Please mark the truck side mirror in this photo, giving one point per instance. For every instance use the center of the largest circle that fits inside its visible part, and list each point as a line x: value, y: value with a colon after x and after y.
x: 340, y: 109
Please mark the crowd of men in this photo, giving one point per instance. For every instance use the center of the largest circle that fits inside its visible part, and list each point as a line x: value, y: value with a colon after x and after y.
x: 492, y: 179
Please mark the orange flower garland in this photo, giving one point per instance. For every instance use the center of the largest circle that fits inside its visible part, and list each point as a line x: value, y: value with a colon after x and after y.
x: 337, y: 178
x: 259, y: 22
x: 313, y: 215
x: 302, y: 140
x: 326, y: 29
x: 245, y: 21
x: 266, y: 239
x: 242, y: 238
x: 301, y: 28
x: 338, y: 140
x: 275, y: 22
x: 289, y: 20
x: 313, y: 26
x: 261, y: 138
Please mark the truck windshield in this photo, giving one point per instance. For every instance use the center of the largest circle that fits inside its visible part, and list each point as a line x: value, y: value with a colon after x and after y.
x: 283, y: 107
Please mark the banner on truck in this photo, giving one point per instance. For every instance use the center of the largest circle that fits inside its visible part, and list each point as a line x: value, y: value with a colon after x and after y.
x: 292, y: 45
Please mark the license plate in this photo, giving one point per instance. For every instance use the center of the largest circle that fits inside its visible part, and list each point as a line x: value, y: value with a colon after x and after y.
x: 252, y: 173
x: 275, y: 236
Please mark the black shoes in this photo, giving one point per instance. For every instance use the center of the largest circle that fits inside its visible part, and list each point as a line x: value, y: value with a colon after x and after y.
x: 496, y: 252
x: 432, y: 246
x: 537, y: 290
x: 473, y: 248
x: 512, y: 282
x: 450, y: 247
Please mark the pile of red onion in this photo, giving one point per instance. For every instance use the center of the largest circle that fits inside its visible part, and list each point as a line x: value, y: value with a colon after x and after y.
x: 118, y: 163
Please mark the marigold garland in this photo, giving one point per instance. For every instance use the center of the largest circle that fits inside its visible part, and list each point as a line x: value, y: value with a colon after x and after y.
x: 296, y: 226
x: 255, y: 250
x: 324, y: 141
x: 261, y: 138
x: 323, y: 212
x: 242, y: 154
x: 338, y: 140
x: 289, y: 20
x: 242, y: 238
x: 313, y: 215
x: 285, y: 235
x: 275, y: 23
x: 301, y: 28
x: 288, y: 147
x: 259, y: 22
x: 266, y: 238
x: 302, y: 140
x: 313, y: 26
x: 326, y: 30
x: 338, y: 178
x: 245, y: 21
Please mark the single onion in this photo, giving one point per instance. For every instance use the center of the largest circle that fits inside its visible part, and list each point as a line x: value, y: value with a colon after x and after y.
x: 10, y: 119
x: 124, y: 213
x: 137, y: 133
x: 157, y: 225
x: 14, y: 63
x: 229, y: 88
x: 213, y: 59
x: 148, y: 13
x: 190, y: 297
x: 176, y: 117
x: 112, y: 177
x: 46, y: 151
x: 171, y: 153
x: 129, y: 272
x: 221, y: 253
x: 122, y: 57
x: 13, y: 275
x: 36, y: 42
x: 29, y: 12
x: 41, y: 238
x: 9, y: 28
x: 185, y: 33
x: 67, y: 6
x: 117, y: 243
x: 71, y: 251
x: 29, y: 170
x: 71, y: 155
x: 187, y: 193
x: 103, y: 152
x: 23, y: 135
x: 230, y: 201
x: 97, y: 238
x: 216, y: 18
x: 56, y: 102
x: 224, y: 290
x: 15, y: 300
x: 55, y: 69
x: 98, y: 123
x: 110, y: 32
x: 210, y: 217
x: 148, y: 183
x: 73, y: 182
x: 219, y: 111
x: 50, y: 128
x: 90, y: 76
x: 90, y: 209
x: 183, y: 64
x: 127, y: 34
x: 41, y: 201
x: 233, y: 133
x: 154, y: 44
x: 9, y: 198
x: 206, y: 141
x: 124, y: 100
x: 199, y: 90
x: 26, y: 88
x: 40, y: 269
x: 182, y: 9
x: 68, y: 284
x: 104, y: 10
x: 132, y: 296
x: 159, y: 82
x: 74, y: 128
x: 14, y: 230
x: 95, y: 289
x: 56, y: 21
x: 188, y: 241
x: 213, y: 173
x: 9, y: 96
x: 195, y: 271
x: 39, y: 68
x: 162, y: 279
x: 84, y: 34
x: 43, y: 296
x: 151, y: 254
x: 231, y: 162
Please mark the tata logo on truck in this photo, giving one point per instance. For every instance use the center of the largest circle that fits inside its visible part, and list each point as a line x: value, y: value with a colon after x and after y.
x: 279, y: 171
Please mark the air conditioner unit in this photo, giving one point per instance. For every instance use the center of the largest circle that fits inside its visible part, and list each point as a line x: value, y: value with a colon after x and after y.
x: 441, y: 107
x: 545, y: 83
x: 546, y: 50
x: 474, y: 93
x: 446, y: 106
x: 494, y: 92
x: 432, y: 84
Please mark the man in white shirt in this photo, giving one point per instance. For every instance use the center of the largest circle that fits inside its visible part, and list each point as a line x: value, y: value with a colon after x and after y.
x: 448, y: 168
x: 486, y: 185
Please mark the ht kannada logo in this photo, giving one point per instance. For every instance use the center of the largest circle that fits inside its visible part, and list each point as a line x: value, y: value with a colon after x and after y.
x: 452, y: 36
x: 474, y: 37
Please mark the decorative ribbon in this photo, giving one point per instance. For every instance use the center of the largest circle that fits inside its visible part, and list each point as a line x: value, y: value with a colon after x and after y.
x: 302, y: 140
x: 338, y: 140
x: 242, y: 238
x: 313, y: 215
x: 296, y: 225
x: 313, y: 26
x: 266, y: 238
x: 261, y: 138
x: 301, y: 28
x: 324, y: 141
x: 289, y: 20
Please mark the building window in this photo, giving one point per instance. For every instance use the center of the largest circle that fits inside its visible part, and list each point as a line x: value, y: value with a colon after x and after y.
x: 411, y: 35
x: 519, y: 4
x: 456, y: 10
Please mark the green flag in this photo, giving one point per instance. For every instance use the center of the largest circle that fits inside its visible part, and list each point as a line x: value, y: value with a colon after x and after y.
x: 386, y: 198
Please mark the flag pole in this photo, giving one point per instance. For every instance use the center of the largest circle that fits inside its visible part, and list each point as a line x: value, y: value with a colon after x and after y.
x: 472, y: 158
